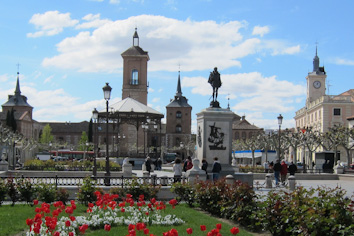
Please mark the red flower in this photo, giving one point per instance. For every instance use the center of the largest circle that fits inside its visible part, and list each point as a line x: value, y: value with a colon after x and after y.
x: 218, y: 226
x: 189, y: 231
x: 146, y: 231
x: 235, y: 230
x: 122, y: 209
x: 202, y: 227
x: 107, y: 227
x: 67, y: 223
x: 29, y: 222
x: 35, y: 202
x: 56, y: 233
x: 72, y: 218
x: 71, y: 234
x: 130, y: 227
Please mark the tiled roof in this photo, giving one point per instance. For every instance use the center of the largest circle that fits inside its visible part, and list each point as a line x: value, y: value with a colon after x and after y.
x: 135, y: 51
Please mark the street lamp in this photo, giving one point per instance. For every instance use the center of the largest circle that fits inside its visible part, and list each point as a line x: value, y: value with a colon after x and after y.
x: 280, y: 121
x: 95, y: 118
x: 107, y: 95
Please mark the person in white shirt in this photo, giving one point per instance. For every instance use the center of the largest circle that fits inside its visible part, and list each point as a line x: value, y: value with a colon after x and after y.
x: 177, y: 169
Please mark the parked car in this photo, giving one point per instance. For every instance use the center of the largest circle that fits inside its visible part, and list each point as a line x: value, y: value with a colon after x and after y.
x: 299, y: 166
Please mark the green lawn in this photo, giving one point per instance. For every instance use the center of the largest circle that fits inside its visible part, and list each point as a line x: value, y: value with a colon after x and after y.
x: 13, y: 221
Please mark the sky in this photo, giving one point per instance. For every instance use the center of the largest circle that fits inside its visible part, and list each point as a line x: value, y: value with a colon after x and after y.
x: 65, y: 52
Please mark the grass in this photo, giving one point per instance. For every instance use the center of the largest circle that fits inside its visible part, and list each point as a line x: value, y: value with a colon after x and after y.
x: 13, y: 218
x: 13, y: 222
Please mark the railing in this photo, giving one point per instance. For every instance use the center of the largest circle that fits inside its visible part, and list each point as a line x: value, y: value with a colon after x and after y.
x: 114, y: 181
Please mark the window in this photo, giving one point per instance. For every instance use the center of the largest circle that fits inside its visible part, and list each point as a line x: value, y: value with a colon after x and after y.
x: 178, y: 114
x: 336, y: 111
x: 135, y: 77
x: 178, y: 129
x: 237, y: 135
x: 243, y: 135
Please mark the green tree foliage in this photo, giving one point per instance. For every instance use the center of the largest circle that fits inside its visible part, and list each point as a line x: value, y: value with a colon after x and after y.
x: 83, y: 141
x: 46, y: 136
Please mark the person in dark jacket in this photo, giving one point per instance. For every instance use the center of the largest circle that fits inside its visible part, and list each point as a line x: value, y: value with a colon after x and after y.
x: 148, y: 164
x: 292, y: 168
x: 277, y: 169
x: 216, y: 169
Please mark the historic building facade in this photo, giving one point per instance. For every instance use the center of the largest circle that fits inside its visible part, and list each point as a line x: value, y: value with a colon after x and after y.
x: 323, y: 111
x: 178, y: 121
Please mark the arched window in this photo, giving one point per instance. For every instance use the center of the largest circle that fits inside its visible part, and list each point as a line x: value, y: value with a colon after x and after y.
x: 178, y: 114
x: 178, y: 129
x: 244, y: 135
x: 135, y: 77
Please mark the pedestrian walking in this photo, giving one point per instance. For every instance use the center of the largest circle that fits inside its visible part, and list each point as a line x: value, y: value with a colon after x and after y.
x: 177, y: 170
x: 292, y: 168
x: 283, y: 172
x: 277, y: 169
x: 148, y: 164
x: 216, y: 169
x: 188, y: 164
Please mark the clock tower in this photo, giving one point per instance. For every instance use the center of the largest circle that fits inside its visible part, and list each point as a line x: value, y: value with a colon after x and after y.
x: 316, y: 81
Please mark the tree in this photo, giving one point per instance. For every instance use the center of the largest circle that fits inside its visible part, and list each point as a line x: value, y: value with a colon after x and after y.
x: 311, y: 140
x: 46, y: 136
x: 332, y: 139
x: 83, y: 141
x: 294, y: 140
x: 252, y: 144
x: 347, y: 141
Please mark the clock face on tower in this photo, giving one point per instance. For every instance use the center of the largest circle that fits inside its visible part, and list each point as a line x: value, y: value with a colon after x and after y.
x: 317, y: 84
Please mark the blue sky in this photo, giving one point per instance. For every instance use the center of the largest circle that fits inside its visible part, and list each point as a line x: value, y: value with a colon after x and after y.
x: 263, y: 49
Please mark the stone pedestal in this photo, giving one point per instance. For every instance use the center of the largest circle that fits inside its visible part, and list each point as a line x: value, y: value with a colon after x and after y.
x: 4, y: 166
x: 127, y: 169
x: 214, y: 137
x: 195, y: 174
x: 338, y: 169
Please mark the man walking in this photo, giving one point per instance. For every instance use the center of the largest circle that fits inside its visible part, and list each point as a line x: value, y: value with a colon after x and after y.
x: 216, y: 169
x: 277, y: 169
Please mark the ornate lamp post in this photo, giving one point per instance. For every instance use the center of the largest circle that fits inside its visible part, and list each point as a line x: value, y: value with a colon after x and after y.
x: 95, y: 119
x: 107, y: 95
x: 280, y: 121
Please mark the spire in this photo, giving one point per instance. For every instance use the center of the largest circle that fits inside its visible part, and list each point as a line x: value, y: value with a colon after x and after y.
x: 316, y: 62
x: 179, y: 90
x: 17, y: 90
x: 136, y: 38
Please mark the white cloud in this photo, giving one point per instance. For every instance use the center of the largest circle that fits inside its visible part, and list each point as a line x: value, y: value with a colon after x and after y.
x: 48, y: 79
x: 251, y: 92
x: 93, y: 21
x: 260, y: 30
x: 346, y: 62
x: 50, y: 23
x: 155, y: 99
x: 114, y: 1
x: 4, y: 78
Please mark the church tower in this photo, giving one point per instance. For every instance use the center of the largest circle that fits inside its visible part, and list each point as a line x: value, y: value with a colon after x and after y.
x: 135, y: 61
x: 178, y: 119
x: 316, y: 81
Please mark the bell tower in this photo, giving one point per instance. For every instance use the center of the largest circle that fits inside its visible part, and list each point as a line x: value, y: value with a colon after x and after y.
x: 135, y: 61
x: 316, y: 81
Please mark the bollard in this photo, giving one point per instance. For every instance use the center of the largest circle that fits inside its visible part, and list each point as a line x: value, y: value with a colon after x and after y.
x: 230, y: 179
x: 164, y: 180
x: 268, y: 181
x: 153, y: 179
x: 146, y: 176
x: 292, y: 182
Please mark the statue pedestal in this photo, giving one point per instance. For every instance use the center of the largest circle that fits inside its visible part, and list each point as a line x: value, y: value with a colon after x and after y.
x: 4, y: 166
x: 214, y: 137
x: 195, y: 174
